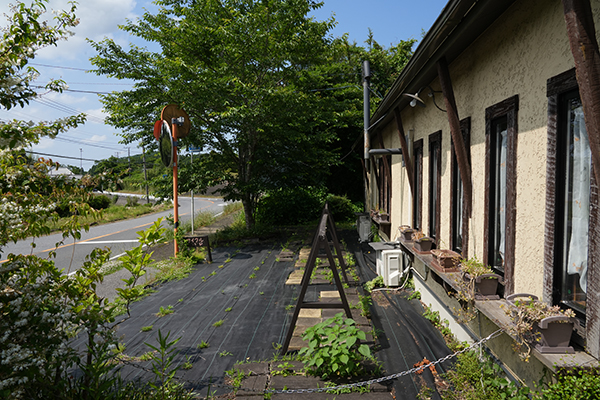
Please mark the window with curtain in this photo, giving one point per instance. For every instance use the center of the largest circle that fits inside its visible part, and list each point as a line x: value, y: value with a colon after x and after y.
x: 417, y: 182
x: 500, y: 198
x: 497, y: 239
x: 435, y: 172
x: 575, y: 167
x: 458, y: 222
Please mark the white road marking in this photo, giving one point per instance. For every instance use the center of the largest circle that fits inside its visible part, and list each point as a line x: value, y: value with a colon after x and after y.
x: 109, y: 241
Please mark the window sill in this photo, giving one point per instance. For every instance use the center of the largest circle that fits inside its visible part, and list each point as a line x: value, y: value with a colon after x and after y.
x: 493, y: 310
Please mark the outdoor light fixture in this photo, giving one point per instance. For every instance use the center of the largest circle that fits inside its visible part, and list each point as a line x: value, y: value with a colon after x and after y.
x: 416, y: 100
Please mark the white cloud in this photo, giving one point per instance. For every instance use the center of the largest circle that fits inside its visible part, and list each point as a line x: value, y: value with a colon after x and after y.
x: 98, y: 138
x: 97, y: 19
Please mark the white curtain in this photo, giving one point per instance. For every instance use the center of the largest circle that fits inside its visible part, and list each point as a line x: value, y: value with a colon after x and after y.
x: 502, y: 200
x: 580, y: 201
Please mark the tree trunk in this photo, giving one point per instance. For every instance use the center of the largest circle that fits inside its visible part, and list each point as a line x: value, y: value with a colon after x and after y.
x: 248, y: 211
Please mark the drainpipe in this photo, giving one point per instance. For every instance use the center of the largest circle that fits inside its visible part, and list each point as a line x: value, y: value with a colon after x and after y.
x: 366, y: 73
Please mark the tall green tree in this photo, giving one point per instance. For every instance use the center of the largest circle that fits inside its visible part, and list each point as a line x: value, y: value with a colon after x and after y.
x: 237, y: 67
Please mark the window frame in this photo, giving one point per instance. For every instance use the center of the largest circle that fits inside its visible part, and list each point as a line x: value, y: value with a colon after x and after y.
x: 465, y: 129
x: 417, y: 206
x: 435, y: 172
x: 557, y: 87
x: 508, y: 109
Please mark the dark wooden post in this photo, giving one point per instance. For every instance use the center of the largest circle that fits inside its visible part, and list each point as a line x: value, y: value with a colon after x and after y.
x: 404, y: 146
x: 584, y: 46
x: 459, y: 145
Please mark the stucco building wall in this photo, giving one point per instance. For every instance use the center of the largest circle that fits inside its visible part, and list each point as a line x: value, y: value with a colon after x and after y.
x: 515, y: 56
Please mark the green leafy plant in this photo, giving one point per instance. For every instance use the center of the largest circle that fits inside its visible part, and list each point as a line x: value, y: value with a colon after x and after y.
x: 203, y: 345
x: 218, y: 323
x: 162, y: 365
x: 414, y: 295
x: 162, y: 312
x: 187, y: 364
x: 374, y: 283
x: 252, y: 276
x: 225, y: 353
x: 580, y: 384
x: 334, y: 348
x: 228, y: 309
x: 146, y: 328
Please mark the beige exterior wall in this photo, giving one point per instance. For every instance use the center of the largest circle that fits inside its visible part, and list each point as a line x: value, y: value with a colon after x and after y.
x: 515, y: 56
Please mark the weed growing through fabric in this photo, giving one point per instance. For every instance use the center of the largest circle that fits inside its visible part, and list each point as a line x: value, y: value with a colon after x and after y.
x: 202, y: 345
x: 228, y: 309
x: 218, y: 323
x: 334, y: 348
x: 414, y: 295
x: 222, y: 266
x: 225, y: 353
x: 146, y: 356
x: 180, y: 301
x: 289, y: 307
x: 162, y: 312
x: 188, y: 363
x: 261, y: 293
x: 162, y: 366
x: 213, y: 273
x: 119, y: 348
x: 146, y: 328
x: 252, y: 276
x: 374, y: 283
x: 256, y: 268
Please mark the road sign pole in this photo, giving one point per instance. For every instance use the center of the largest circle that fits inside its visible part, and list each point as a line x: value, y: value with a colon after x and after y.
x: 175, y: 188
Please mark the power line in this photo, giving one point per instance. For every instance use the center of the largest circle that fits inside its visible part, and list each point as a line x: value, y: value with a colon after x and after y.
x: 56, y: 66
x: 56, y: 155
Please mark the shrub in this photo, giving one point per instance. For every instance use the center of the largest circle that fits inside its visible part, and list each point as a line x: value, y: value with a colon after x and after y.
x: 290, y: 206
x: 334, y: 348
x: 99, y: 202
x: 341, y: 208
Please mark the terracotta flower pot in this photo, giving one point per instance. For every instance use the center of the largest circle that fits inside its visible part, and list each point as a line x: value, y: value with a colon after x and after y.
x: 423, y: 245
x: 447, y: 260
x: 486, y: 286
x: 407, y: 234
x: 555, y: 335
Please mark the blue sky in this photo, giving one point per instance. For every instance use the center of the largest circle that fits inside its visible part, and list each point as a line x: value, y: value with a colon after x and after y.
x: 390, y: 21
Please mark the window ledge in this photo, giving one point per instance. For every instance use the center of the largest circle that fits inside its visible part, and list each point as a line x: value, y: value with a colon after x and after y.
x: 494, y: 311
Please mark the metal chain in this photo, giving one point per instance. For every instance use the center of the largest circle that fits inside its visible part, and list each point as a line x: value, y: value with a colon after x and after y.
x: 389, y: 377
x: 341, y: 387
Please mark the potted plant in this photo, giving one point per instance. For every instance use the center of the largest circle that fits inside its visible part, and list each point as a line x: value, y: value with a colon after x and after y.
x: 406, y: 232
x: 445, y: 260
x: 479, y: 280
x: 549, y: 328
x: 422, y: 243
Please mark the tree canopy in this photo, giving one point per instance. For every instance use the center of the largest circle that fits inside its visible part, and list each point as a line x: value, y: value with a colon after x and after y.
x: 269, y: 91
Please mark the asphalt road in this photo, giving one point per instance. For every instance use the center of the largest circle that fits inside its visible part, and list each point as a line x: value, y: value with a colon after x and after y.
x: 118, y: 236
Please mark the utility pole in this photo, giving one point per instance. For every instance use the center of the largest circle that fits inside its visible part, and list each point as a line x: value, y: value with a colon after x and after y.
x: 145, y: 174
x: 191, y: 167
x: 366, y: 72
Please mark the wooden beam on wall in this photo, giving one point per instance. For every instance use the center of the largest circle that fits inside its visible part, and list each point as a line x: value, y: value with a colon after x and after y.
x: 459, y: 145
x: 386, y: 165
x: 584, y: 46
x: 404, y: 145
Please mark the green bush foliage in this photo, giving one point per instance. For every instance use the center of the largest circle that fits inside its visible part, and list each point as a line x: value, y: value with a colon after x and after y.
x: 99, y: 202
x: 291, y: 206
x: 341, y: 208
x: 581, y: 385
x: 334, y: 348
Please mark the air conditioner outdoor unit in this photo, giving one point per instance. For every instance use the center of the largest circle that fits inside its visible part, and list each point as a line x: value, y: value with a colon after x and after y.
x: 390, y: 266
